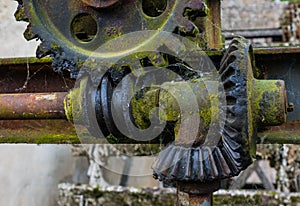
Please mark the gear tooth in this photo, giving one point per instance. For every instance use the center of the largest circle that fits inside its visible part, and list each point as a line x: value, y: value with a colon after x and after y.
x: 20, y: 13
x: 28, y: 34
x: 194, y: 9
x: 187, y: 28
x: 43, y: 50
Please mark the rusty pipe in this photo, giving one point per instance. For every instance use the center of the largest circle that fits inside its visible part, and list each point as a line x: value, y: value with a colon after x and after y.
x: 32, y: 106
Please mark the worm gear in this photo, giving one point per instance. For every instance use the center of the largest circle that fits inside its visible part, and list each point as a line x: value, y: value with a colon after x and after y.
x: 72, y: 30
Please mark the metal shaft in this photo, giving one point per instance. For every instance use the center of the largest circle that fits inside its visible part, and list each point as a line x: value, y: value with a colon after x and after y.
x: 32, y: 106
x: 196, y: 193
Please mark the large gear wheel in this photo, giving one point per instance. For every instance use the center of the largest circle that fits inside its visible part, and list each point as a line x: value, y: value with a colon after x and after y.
x: 72, y: 30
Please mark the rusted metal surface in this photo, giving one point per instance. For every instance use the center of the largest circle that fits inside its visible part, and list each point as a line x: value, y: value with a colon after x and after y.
x: 282, y: 63
x: 31, y: 75
x: 276, y: 51
x: 196, y: 193
x: 288, y: 133
x: 212, y: 25
x: 32, y: 106
x: 100, y: 3
x: 91, y: 28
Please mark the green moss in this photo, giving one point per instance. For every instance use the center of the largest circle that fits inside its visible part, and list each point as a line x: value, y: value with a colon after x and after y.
x: 40, y: 132
x: 55, y: 46
x: 73, y: 102
x: 295, y: 200
x: 94, y: 193
x: 112, y: 139
x: 206, y: 116
x: 158, y: 60
x: 28, y: 60
x: 267, y: 102
x: 20, y: 14
x: 142, y: 105
x: 259, y: 198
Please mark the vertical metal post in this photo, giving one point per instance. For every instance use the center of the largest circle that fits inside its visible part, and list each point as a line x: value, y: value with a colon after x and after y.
x: 196, y: 193
x: 212, y: 25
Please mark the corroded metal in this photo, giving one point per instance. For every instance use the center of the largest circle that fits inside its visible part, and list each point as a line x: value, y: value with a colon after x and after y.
x: 213, y: 25
x: 288, y: 133
x: 246, y: 108
x: 85, y: 29
x: 196, y: 193
x: 32, y: 106
x: 250, y: 104
x: 100, y: 3
x: 32, y: 75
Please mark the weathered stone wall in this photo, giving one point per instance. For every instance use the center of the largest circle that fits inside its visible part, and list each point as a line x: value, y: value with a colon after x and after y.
x: 251, y: 14
x: 84, y: 195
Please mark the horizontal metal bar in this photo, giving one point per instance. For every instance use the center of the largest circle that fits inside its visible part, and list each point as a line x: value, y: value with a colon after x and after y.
x: 288, y: 133
x: 255, y: 33
x: 276, y: 50
x: 32, y: 106
x: 24, y: 60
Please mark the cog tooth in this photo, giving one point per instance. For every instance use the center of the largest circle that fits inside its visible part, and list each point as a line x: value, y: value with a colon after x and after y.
x: 43, y: 50
x: 28, y: 34
x: 188, y: 28
x: 194, y: 9
x: 20, y: 12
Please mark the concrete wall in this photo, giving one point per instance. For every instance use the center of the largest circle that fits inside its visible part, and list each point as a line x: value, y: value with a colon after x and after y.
x: 12, y: 41
x: 30, y: 174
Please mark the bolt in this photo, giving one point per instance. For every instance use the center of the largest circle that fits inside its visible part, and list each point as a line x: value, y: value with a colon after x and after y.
x: 290, y: 107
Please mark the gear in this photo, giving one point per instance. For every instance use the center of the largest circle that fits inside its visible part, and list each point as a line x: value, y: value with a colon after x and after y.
x: 72, y: 30
x: 232, y: 153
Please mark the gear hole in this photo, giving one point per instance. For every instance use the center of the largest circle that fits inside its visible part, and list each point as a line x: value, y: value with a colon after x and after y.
x: 84, y: 27
x: 154, y: 8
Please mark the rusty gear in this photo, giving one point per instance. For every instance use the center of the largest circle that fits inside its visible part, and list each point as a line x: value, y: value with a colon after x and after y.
x: 232, y: 153
x: 71, y: 31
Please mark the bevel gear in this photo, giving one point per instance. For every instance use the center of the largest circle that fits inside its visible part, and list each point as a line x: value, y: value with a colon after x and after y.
x: 231, y: 155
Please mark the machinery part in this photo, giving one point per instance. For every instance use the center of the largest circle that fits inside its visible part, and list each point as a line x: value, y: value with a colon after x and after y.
x: 100, y: 3
x: 32, y: 106
x: 250, y: 103
x: 284, y: 134
x: 83, y: 29
x: 195, y: 193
